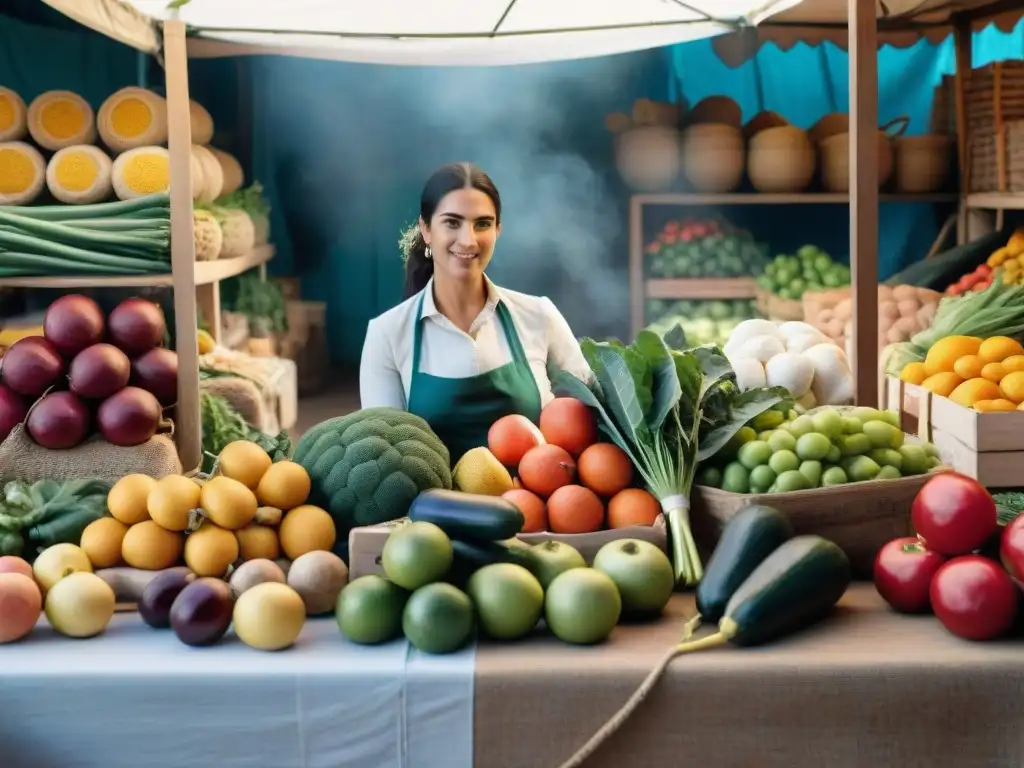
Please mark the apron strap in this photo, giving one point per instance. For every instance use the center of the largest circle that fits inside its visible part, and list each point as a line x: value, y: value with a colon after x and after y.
x: 417, y: 337
x: 507, y: 324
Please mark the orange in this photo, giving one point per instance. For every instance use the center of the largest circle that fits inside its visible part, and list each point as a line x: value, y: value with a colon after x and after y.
x: 510, y: 437
x: 633, y: 506
x: 532, y: 506
x: 605, y: 469
x: 545, y: 469
x: 575, y: 509
x: 569, y: 424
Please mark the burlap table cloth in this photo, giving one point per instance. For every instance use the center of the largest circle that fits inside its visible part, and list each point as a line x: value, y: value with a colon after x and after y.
x: 869, y: 689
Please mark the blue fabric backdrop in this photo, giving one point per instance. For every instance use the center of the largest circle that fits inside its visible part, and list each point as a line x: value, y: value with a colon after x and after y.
x: 343, y: 149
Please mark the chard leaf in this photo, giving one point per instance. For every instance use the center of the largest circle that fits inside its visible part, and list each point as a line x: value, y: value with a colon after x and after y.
x: 620, y: 395
x: 675, y: 338
x: 643, y: 376
x: 745, y: 406
x: 666, y: 389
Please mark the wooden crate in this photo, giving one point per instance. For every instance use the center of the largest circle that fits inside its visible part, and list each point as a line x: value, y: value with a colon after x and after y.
x: 986, y: 446
x: 994, y: 103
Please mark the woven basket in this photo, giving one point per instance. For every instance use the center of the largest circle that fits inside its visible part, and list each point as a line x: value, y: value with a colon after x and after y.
x: 777, y: 308
x: 994, y: 103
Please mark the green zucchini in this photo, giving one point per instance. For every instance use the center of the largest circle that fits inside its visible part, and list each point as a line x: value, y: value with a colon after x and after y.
x: 749, y: 537
x: 796, y: 586
x: 468, y: 516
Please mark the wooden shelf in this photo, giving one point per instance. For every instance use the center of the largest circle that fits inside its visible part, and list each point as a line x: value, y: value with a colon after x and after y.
x: 996, y: 201
x: 755, y: 198
x: 709, y: 288
x: 207, y: 273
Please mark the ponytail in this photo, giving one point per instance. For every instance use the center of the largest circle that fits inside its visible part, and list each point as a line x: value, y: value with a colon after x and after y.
x: 418, y: 267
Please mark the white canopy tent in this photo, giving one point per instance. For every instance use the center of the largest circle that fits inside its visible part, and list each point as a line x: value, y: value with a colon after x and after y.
x: 452, y: 32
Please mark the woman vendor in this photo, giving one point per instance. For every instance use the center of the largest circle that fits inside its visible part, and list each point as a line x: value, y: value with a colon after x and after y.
x: 461, y: 352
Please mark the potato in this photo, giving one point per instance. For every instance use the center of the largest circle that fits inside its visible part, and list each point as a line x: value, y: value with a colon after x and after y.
x: 887, y: 310
x: 885, y: 293
x: 904, y: 292
x: 908, y: 307
x: 833, y: 328
x: 926, y: 314
x: 894, y: 335
x: 907, y: 325
x: 844, y: 310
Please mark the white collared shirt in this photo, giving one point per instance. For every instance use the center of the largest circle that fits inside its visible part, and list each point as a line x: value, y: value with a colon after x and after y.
x: 385, y: 371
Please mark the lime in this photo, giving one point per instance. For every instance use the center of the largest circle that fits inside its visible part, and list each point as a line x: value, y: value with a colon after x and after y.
x: 801, y: 425
x: 790, y: 481
x: 833, y: 476
x: 438, y: 618
x: 754, y: 454
x: 781, y: 440
x: 582, y: 606
x: 784, y: 461
x: 930, y: 449
x: 369, y: 610
x: 851, y: 426
x: 915, y: 460
x: 761, y: 477
x: 550, y: 558
x: 854, y: 445
x: 735, y: 479
x: 767, y: 420
x: 880, y: 434
x: 893, y: 418
x: 834, y: 455
x: 710, y: 476
x: 417, y: 554
x: 886, y: 457
x: 861, y: 468
x: 812, y: 446
x: 812, y: 471
x: 828, y: 422
x: 508, y: 598
x: 888, y: 473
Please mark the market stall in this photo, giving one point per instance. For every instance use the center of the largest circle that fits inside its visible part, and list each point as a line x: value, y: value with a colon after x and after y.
x: 351, y: 574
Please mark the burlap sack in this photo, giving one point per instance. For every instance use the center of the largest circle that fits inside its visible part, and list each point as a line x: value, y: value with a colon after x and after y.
x: 22, y: 459
x: 242, y: 394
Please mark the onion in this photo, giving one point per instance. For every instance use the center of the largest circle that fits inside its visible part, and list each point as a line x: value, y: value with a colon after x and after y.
x: 59, y: 420
x: 31, y: 366
x: 99, y: 371
x: 13, y: 410
x: 157, y: 372
x: 72, y: 323
x: 136, y: 326
x: 129, y: 417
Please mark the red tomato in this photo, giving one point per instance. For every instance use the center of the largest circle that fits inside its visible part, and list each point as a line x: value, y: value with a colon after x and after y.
x: 974, y: 598
x: 903, y: 574
x: 984, y: 270
x: 954, y: 514
x: 1011, y: 548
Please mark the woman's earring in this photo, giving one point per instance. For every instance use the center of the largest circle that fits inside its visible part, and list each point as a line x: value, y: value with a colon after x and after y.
x: 427, y: 253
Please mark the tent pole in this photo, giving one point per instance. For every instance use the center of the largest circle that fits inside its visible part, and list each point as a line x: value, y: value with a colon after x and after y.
x: 863, y: 74
x: 188, y: 430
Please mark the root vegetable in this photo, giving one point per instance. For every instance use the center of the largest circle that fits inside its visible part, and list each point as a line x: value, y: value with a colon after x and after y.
x: 159, y: 595
x: 908, y: 307
x: 128, y: 417
x: 136, y: 326
x: 157, y: 372
x: 318, y: 577
x: 254, y: 572
x: 201, y: 613
x: 58, y: 421
x: 31, y: 366
x: 72, y: 323
x: 13, y: 410
x: 888, y: 311
x: 792, y: 371
x: 99, y: 371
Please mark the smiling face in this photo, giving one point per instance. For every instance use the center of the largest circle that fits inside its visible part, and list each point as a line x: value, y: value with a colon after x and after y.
x: 461, y: 235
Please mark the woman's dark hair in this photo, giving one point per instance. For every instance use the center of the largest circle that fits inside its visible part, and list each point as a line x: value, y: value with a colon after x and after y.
x: 448, y: 178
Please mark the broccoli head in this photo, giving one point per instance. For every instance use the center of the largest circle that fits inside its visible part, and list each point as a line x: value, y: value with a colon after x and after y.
x: 368, y: 466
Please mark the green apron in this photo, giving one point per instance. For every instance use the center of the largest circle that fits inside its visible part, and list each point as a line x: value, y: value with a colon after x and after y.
x: 461, y: 411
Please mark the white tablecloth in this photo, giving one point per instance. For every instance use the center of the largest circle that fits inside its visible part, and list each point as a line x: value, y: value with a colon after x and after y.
x: 138, y: 698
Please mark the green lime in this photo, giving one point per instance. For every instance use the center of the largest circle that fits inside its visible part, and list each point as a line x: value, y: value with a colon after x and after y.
x: 787, y: 482
x: 710, y: 477
x: 930, y: 449
x: 812, y: 446
x: 888, y: 472
x: 834, y: 454
x: 761, y: 477
x: 736, y: 478
x: 886, y: 457
x: 915, y: 459
x: 828, y: 422
x: 880, y: 434
x: 851, y: 425
x: 833, y: 476
x: 438, y: 618
x: 768, y: 420
x: 812, y: 471
x: 417, y: 554
x: 854, y: 445
x: 369, y: 610
x: 781, y: 440
x: 508, y: 599
x: 784, y: 461
x: 893, y: 418
x: 754, y: 454
x: 861, y: 468
x: 582, y: 606
x: 801, y: 425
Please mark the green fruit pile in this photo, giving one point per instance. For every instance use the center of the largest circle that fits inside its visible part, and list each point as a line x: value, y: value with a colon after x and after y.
x: 829, y: 447
x: 703, y: 321
x: 811, y: 269
x: 714, y: 255
x: 438, y: 604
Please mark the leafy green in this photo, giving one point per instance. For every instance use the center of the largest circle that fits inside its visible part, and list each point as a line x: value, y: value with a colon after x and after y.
x: 48, y: 512
x: 667, y: 407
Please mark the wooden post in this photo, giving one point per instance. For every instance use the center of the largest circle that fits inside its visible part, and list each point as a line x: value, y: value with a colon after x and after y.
x: 188, y: 428
x: 963, y: 35
x: 637, y: 267
x: 863, y: 45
